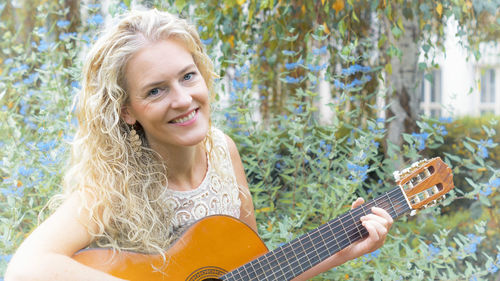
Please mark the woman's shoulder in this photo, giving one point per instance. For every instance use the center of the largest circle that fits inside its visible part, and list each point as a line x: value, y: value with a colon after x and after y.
x: 219, y: 137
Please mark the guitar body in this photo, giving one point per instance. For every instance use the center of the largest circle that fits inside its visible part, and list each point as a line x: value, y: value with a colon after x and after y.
x: 208, y: 249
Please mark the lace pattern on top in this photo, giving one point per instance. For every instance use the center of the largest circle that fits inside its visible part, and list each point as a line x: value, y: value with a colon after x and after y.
x: 218, y: 194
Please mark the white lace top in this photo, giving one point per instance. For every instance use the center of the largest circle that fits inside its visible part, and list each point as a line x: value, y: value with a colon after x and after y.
x: 218, y: 194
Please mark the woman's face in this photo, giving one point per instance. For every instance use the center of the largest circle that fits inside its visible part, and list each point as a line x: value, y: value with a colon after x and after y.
x: 167, y: 95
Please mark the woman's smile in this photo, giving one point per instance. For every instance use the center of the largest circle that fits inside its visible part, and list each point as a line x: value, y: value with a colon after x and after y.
x: 186, y: 119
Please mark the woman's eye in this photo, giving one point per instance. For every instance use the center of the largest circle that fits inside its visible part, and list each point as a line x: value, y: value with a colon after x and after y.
x: 154, y: 92
x: 188, y: 76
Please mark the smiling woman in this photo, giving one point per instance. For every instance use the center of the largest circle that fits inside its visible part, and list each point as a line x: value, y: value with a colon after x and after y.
x: 146, y: 162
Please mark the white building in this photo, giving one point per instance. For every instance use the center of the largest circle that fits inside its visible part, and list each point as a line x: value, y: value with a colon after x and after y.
x: 463, y: 85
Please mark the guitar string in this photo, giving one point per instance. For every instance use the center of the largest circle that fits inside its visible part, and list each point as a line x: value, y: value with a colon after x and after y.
x: 379, y: 202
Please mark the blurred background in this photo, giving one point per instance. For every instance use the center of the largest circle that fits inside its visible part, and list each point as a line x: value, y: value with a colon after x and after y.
x: 325, y: 99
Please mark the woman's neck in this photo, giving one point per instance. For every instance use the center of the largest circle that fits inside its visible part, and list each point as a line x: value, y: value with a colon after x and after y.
x: 186, y: 166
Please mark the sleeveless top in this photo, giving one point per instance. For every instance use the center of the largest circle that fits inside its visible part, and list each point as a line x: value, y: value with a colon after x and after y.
x: 218, y: 193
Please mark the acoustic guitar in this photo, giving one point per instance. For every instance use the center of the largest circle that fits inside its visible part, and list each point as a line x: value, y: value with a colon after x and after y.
x: 223, y: 248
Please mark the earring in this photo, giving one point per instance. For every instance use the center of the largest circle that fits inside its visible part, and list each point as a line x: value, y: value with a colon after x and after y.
x: 135, y: 142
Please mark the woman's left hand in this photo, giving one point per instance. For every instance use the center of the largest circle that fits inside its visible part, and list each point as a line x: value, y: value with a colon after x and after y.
x: 377, y: 224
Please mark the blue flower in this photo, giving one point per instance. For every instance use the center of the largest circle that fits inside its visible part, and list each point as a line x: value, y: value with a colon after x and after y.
x: 94, y: 6
x: 46, y: 146
x: 31, y: 78
x: 288, y: 53
x: 434, y: 251
x: 420, y: 140
x: 316, y: 68
x: 95, y: 19
x: 242, y: 85
x: 293, y: 65
x: 63, y: 23
x: 65, y: 35
x: 43, y: 46
x: 25, y: 172
x: 75, y: 84
x: 440, y: 129
x: 359, y: 171
x: 207, y: 41
x: 6, y: 258
x: 8, y: 61
x: 291, y: 80
x: 123, y: 6
x: 495, y: 182
x: 445, y: 120
x: 372, y: 255
x: 354, y: 69
x: 482, y: 147
x: 86, y: 38
x: 242, y: 70
x: 320, y: 51
x: 24, y: 108
x: 338, y: 84
x: 492, y: 268
x: 486, y: 192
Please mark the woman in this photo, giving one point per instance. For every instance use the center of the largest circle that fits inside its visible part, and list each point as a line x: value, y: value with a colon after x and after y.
x: 146, y: 161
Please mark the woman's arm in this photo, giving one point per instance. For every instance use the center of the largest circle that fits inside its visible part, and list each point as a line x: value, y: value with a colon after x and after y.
x: 46, y: 253
x: 377, y: 224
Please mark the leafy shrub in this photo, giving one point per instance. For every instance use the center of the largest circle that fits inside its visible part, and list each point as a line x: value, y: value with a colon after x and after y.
x: 302, y: 172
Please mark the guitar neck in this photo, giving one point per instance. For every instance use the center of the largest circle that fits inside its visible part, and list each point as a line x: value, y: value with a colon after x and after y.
x: 306, y: 251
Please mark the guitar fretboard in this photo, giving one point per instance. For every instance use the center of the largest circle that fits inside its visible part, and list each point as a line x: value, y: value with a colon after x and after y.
x: 306, y: 251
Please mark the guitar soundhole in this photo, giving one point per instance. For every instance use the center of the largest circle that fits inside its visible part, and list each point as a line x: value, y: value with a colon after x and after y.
x: 207, y: 273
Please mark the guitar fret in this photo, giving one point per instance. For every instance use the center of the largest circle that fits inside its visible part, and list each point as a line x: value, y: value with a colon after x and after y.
x: 332, y: 233
x: 282, y: 261
x: 304, y: 256
x: 356, y: 223
x: 295, y: 264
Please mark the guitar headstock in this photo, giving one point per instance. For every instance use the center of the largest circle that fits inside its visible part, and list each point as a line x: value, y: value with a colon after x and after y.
x: 425, y: 182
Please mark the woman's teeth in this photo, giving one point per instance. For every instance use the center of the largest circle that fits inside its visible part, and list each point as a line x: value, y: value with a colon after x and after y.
x: 184, y: 119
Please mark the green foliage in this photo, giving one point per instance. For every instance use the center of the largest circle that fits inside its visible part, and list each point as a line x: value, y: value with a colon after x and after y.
x: 302, y: 172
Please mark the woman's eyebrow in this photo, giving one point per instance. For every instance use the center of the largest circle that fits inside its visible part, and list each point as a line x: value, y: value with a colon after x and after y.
x: 152, y: 84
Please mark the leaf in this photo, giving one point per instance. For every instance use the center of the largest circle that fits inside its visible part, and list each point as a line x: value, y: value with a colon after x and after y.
x: 341, y: 27
x: 338, y: 6
x: 354, y: 16
x: 180, y: 4
x: 439, y: 9
x: 388, y: 68
x: 396, y: 32
x: 469, y: 147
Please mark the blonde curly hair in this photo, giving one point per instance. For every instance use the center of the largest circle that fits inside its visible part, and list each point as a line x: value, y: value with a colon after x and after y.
x: 121, y: 188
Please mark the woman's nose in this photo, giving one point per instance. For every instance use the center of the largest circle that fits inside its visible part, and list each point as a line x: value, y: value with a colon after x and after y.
x: 181, y: 97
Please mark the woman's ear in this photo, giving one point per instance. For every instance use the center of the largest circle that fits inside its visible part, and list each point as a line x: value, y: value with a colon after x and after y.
x: 127, y: 116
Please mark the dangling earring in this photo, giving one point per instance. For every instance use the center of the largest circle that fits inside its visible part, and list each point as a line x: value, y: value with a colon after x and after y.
x: 135, y: 142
